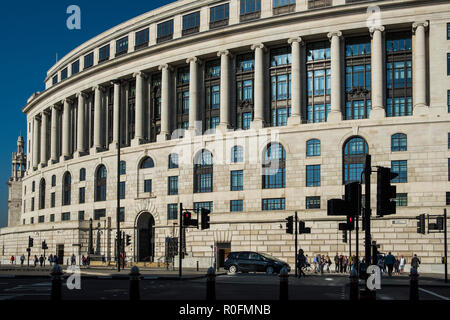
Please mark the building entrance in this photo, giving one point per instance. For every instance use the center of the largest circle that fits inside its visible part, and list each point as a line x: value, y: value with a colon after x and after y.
x: 145, y: 238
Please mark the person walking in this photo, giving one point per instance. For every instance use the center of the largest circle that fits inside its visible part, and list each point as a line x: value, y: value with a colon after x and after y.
x: 315, y: 264
x: 389, y: 261
x: 321, y: 263
x: 341, y: 263
x: 22, y: 259
x: 50, y: 259
x: 55, y: 259
x: 35, y: 260
x: 41, y: 260
x: 415, y: 262
x: 73, y: 259
x: 12, y: 259
x: 402, y: 264
x: 336, y: 263
x: 301, y: 263
x: 328, y: 262
x: 397, y: 266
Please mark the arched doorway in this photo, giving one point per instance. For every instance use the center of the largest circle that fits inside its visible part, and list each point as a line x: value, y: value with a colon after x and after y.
x: 145, y: 227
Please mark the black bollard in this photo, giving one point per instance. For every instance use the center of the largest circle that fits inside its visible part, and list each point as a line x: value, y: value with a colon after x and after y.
x: 56, y: 293
x: 354, y: 285
x: 284, y: 284
x: 413, y: 285
x: 211, y: 284
x: 134, y: 284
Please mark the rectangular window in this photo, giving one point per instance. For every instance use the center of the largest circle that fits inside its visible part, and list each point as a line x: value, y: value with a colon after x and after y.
x: 447, y: 198
x: 99, y: 213
x: 191, y: 23
x: 52, y: 200
x: 121, y: 214
x: 312, y: 202
x: 236, y: 205
x: 219, y: 15
x: 448, y: 101
x: 448, y: 31
x: 237, y: 180
x: 53, y: 180
x: 52, y: 218
x: 32, y: 204
x: 41, y: 219
x: 32, y: 220
x: 448, y: 64
x: 400, y: 167
x: 121, y: 46
x: 88, y: 60
x: 80, y: 215
x: 173, y: 186
x: 65, y: 216
x: 142, y: 38
x: 82, y: 196
x: 273, y: 204
x: 148, y: 185
x: 448, y: 169
x: 123, y: 168
x: 282, y: 3
x: 313, y: 176
x: 75, y: 67
x: 402, y: 199
x: 64, y: 74
x: 173, y: 161
x: 55, y: 80
x: 205, y: 205
x: 122, y: 189
x: 103, y: 53
x: 165, y: 31
x: 172, y: 211
x: 250, y: 6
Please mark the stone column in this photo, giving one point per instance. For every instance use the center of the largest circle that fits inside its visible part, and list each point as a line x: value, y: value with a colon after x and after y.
x: 378, y: 109
x: 66, y: 130
x: 139, y: 114
x: 98, y: 118
x: 116, y: 115
x: 225, y: 108
x: 193, y: 94
x: 258, y: 119
x: 296, y: 92
x: 36, y: 126
x: 420, y: 68
x: 165, y: 103
x: 54, y: 135
x: 44, y: 126
x: 336, y: 88
x: 81, y: 146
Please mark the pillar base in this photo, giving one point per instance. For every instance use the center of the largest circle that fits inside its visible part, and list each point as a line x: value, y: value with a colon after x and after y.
x: 163, y: 136
x: 421, y: 110
x: 192, y: 132
x: 257, y: 124
x: 377, y: 113
x: 53, y: 161
x: 294, y: 120
x: 64, y: 158
x: 136, y: 142
x: 223, y: 128
x: 334, y: 116
x: 79, y: 154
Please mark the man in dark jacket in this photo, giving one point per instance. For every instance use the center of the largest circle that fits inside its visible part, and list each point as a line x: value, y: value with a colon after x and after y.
x: 389, y: 260
x: 301, y: 263
x: 415, y: 262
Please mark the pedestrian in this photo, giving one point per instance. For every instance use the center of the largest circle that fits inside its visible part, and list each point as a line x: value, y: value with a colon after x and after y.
x: 328, y: 262
x: 88, y: 260
x: 73, y: 259
x: 336, y: 263
x: 22, y: 259
x: 397, y: 266
x: 12, y: 259
x: 41, y: 260
x: 55, y: 259
x: 402, y: 264
x: 389, y: 261
x: 315, y: 264
x: 322, y: 263
x: 341, y: 263
x: 35, y: 260
x: 83, y: 260
x: 415, y: 262
x: 301, y: 263
x: 50, y: 259
x: 345, y: 264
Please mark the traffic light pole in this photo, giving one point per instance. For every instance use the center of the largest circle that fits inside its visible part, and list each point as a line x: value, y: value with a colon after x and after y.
x: 296, y: 244
x: 367, y: 209
x: 180, y: 260
x: 445, y: 244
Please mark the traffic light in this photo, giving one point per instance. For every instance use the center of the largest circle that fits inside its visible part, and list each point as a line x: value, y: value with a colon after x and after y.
x: 30, y: 242
x: 344, y: 236
x: 188, y: 221
x: 44, y: 245
x: 205, y: 218
x: 350, y: 223
x: 290, y: 224
x: 385, y: 192
x: 421, y: 224
x: 352, y: 197
x: 440, y: 223
x: 128, y: 239
x: 303, y: 229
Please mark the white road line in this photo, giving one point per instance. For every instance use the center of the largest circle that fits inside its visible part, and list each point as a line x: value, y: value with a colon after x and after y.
x: 434, y: 294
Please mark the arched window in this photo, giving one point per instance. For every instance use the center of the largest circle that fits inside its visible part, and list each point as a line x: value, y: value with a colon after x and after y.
x: 82, y: 174
x: 67, y: 181
x: 237, y: 154
x: 399, y: 142
x: 313, y: 148
x: 354, y: 155
x: 203, y: 172
x: 42, y: 194
x: 274, y: 167
x: 146, y: 163
x: 100, y: 183
x: 173, y: 161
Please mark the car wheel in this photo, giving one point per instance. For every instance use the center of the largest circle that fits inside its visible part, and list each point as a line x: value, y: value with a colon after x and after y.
x: 269, y: 270
x: 233, y: 269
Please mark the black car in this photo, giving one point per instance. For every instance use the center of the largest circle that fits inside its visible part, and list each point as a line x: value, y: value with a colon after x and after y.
x: 248, y: 261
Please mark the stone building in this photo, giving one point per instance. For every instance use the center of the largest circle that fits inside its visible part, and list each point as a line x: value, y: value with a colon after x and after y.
x: 252, y: 109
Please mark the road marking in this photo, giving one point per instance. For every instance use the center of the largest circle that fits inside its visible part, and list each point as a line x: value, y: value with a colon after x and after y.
x: 434, y: 294
x: 328, y: 279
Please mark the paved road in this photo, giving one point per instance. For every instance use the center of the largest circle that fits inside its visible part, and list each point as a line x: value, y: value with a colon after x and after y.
x: 228, y: 287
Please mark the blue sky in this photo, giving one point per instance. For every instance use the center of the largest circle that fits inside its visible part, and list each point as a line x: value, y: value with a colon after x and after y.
x: 32, y: 33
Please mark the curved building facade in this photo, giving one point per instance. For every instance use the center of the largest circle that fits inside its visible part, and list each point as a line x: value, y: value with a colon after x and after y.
x: 252, y: 109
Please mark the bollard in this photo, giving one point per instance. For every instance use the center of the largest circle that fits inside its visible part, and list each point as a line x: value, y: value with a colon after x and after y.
x: 56, y: 293
x: 354, y: 285
x: 413, y: 285
x: 134, y: 284
x: 211, y: 284
x: 284, y: 284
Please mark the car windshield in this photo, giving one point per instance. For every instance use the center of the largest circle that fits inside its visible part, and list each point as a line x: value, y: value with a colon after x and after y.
x: 265, y: 255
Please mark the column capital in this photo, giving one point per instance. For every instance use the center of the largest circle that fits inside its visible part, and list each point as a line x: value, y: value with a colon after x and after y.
x: 165, y: 66
x: 194, y: 59
x: 224, y: 53
x: 415, y: 25
x: 45, y: 113
x: 297, y: 39
x: 376, y: 28
x: 98, y: 87
x: 68, y: 101
x: 140, y: 74
x: 259, y: 46
x: 81, y: 94
x: 332, y: 34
